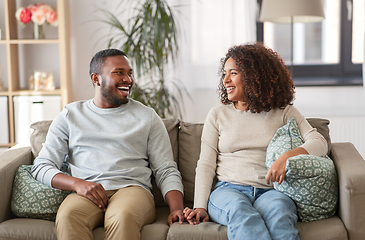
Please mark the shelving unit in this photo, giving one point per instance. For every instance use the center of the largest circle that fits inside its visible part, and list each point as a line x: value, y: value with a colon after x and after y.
x: 21, y: 58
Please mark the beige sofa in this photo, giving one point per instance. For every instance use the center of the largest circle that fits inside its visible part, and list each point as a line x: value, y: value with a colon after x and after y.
x: 348, y: 223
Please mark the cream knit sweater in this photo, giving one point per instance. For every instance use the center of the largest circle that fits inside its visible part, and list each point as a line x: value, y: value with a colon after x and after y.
x: 234, y: 146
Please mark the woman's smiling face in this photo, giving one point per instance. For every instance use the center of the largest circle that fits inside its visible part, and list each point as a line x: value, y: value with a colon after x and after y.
x: 233, y: 83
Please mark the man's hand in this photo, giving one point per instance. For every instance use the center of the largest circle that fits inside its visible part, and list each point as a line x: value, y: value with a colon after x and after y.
x: 194, y: 216
x: 175, y: 201
x: 94, y: 192
x: 90, y: 190
x: 175, y: 216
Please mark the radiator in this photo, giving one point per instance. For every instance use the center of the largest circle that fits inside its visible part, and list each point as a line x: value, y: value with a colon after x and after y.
x: 349, y: 129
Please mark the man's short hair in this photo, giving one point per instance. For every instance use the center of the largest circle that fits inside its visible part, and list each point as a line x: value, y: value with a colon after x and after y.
x: 98, y: 60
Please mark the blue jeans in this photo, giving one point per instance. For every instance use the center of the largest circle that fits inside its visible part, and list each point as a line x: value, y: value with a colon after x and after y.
x: 253, y: 213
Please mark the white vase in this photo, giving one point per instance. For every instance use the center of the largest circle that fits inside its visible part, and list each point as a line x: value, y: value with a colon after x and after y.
x: 38, y: 32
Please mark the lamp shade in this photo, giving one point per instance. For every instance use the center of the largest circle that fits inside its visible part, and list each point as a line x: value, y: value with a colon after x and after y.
x: 286, y: 11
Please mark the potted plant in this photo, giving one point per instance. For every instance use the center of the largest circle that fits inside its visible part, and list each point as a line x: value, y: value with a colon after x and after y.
x: 149, y: 37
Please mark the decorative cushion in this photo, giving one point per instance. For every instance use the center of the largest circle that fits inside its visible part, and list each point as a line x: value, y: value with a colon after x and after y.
x: 311, y: 181
x: 32, y: 199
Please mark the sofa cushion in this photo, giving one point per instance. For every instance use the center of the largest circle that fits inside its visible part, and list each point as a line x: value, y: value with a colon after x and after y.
x: 32, y: 199
x: 327, y: 229
x: 202, y: 231
x: 311, y: 181
x: 322, y: 127
x: 172, y: 127
x: 32, y: 229
x: 38, y: 136
x: 189, y: 151
x: 37, y: 229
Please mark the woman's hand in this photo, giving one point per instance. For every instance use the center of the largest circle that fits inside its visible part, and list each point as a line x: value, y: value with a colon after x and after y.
x: 194, y: 216
x: 277, y: 172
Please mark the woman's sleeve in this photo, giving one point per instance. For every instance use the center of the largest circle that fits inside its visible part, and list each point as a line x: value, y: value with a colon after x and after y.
x: 207, y: 163
x: 314, y: 142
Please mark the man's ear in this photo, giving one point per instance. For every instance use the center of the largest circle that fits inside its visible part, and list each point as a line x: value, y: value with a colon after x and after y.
x: 96, y: 79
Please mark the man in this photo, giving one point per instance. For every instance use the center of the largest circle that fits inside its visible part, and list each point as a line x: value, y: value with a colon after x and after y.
x: 112, y: 145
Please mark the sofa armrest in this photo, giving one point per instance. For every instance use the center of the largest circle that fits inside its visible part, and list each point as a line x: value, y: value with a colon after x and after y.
x: 350, y: 168
x: 10, y: 160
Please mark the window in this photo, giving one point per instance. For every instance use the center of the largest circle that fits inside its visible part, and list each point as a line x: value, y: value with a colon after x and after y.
x: 324, y: 53
x: 358, y: 31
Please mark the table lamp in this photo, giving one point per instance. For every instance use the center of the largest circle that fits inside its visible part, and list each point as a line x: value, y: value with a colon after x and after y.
x: 291, y: 11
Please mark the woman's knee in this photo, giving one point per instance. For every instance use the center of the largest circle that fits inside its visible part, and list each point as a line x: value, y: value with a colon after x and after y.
x: 276, y: 207
x: 275, y: 200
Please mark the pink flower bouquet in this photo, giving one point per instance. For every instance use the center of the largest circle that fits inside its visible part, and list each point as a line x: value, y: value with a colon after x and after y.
x: 38, y: 13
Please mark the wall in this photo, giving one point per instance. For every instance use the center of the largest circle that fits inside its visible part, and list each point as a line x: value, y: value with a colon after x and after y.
x: 86, y: 33
x: 343, y: 106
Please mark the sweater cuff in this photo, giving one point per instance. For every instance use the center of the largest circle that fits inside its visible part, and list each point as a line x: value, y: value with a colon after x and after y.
x: 172, y: 185
x: 45, y: 175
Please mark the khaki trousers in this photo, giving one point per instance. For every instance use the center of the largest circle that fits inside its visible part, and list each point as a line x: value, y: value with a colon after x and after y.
x: 128, y: 210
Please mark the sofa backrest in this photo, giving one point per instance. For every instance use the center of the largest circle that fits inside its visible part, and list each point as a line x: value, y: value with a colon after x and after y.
x: 38, y: 136
x: 172, y: 126
x: 185, y: 141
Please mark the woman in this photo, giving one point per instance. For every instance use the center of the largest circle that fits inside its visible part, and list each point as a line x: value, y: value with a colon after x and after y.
x: 257, y: 92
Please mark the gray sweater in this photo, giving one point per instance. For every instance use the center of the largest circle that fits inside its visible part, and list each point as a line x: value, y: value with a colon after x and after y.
x: 116, y: 147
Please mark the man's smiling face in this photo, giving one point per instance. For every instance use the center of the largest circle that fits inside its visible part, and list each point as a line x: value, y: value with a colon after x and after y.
x: 116, y: 81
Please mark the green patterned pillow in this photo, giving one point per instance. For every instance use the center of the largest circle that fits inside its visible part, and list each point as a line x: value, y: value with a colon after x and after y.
x: 32, y: 199
x: 310, y: 181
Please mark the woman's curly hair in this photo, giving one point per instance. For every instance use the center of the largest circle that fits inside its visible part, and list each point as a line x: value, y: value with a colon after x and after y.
x: 267, y: 83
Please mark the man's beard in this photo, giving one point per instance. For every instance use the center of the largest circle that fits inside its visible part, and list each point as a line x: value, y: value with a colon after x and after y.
x: 113, y: 99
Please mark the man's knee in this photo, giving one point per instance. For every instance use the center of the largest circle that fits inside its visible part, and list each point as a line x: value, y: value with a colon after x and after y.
x: 75, y: 212
x: 67, y: 215
x: 123, y: 217
x: 122, y: 224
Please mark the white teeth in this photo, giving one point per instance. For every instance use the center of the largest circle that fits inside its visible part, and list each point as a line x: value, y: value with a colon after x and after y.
x: 230, y: 88
x: 123, y: 88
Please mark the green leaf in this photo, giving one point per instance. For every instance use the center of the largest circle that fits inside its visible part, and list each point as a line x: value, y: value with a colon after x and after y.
x: 149, y: 38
